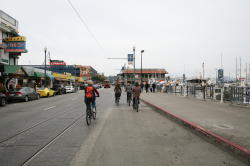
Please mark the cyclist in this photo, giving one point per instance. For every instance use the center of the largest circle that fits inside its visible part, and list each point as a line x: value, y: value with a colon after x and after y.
x: 117, y: 91
x: 136, y: 92
x: 90, y: 94
x: 129, y: 90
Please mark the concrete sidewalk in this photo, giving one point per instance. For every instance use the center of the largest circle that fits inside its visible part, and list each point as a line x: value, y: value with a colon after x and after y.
x: 230, y: 122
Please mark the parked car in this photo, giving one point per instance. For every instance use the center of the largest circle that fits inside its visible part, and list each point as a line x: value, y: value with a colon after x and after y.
x: 23, y: 94
x: 3, y: 99
x: 59, y: 89
x: 96, y: 86
x: 46, y: 92
x: 69, y: 89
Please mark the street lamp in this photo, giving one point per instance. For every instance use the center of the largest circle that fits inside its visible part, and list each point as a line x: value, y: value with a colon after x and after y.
x: 45, y: 54
x: 142, y: 51
x: 134, y: 62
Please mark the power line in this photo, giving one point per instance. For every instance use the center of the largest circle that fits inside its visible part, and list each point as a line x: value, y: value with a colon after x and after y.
x: 84, y: 23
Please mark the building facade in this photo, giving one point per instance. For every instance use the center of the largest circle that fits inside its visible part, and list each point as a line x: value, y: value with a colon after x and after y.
x: 146, y: 75
x: 11, y: 43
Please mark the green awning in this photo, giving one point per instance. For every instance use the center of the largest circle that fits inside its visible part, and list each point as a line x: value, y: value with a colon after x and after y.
x: 41, y: 75
x: 13, y: 69
x: 38, y: 74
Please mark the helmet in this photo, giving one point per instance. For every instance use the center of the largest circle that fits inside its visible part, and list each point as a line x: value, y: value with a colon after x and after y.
x: 90, y: 82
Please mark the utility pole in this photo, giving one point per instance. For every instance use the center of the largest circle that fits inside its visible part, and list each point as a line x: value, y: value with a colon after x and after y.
x: 134, y: 62
x: 142, y: 51
x: 240, y: 69
x: 236, y: 75
x: 45, y: 54
x: 203, y: 64
x: 246, y: 74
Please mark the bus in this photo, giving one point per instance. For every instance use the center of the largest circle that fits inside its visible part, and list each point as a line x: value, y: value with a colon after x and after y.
x: 106, y: 84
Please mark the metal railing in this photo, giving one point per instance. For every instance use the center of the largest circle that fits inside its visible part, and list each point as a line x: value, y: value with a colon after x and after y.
x: 232, y: 94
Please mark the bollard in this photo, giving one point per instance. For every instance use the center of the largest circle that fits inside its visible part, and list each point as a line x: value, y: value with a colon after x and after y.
x: 204, y: 92
x: 222, y: 93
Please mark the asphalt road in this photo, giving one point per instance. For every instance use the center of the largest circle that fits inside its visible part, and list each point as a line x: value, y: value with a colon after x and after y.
x: 52, y: 131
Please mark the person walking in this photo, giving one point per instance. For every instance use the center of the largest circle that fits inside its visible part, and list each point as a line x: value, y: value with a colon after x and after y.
x: 146, y: 87
x: 154, y: 86
x: 142, y: 87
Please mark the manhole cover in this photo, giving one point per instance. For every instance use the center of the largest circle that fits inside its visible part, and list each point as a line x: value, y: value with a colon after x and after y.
x: 223, y: 126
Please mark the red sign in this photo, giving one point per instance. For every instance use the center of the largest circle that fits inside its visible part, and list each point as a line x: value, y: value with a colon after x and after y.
x: 57, y: 63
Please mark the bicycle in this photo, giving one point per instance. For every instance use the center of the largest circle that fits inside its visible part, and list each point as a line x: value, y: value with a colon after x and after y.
x: 90, y: 113
x: 129, y: 98
x: 136, y: 104
x: 117, y: 98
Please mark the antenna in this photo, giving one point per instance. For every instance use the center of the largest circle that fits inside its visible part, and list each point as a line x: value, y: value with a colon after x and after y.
x: 221, y: 60
x: 240, y: 67
x: 236, y: 70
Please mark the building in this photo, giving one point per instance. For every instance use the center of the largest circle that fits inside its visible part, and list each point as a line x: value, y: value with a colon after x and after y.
x: 11, y: 43
x: 87, y: 72
x: 147, y: 75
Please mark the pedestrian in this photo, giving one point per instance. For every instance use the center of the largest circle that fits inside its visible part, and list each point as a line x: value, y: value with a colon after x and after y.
x: 151, y: 88
x: 146, y: 87
x: 154, y: 86
x: 142, y: 86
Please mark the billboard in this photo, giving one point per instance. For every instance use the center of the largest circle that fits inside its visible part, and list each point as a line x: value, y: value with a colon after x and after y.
x: 130, y: 59
x: 15, y: 44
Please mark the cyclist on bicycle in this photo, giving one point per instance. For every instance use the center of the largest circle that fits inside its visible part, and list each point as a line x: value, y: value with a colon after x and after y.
x: 90, y: 94
x: 129, y: 89
x: 117, y: 90
x: 136, y: 92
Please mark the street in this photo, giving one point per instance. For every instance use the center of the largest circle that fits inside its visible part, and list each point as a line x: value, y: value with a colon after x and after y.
x: 53, y: 131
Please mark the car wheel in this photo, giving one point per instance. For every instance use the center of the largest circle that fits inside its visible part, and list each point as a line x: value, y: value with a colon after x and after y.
x: 26, y: 99
x: 3, y: 102
x: 47, y: 94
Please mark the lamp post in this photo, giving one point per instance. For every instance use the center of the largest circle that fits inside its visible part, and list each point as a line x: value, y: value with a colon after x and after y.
x: 134, y: 62
x: 45, y: 54
x: 142, y: 51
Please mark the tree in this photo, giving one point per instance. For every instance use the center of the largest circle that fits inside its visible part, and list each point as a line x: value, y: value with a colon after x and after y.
x: 98, y: 78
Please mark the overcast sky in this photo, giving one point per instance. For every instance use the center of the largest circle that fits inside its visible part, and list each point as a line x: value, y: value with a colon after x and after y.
x: 177, y: 35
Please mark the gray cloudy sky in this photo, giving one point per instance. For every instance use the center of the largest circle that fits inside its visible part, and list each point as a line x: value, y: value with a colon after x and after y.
x: 176, y: 34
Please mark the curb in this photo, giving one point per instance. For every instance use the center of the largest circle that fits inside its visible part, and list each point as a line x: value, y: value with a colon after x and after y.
x: 244, y: 152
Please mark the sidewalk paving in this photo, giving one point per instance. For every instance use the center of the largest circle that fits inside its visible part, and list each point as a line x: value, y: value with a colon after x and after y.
x: 230, y: 122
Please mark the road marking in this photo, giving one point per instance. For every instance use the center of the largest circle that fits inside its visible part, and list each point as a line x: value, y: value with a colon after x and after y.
x: 46, y: 109
x: 87, y: 147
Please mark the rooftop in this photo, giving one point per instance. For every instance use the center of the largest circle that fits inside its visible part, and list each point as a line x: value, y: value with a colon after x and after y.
x: 145, y: 71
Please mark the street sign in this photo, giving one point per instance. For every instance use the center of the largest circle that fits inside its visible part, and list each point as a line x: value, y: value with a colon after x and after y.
x: 130, y: 59
x: 220, y: 75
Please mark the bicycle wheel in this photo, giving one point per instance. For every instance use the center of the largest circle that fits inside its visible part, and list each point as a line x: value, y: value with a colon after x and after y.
x: 88, y: 116
x: 94, y: 112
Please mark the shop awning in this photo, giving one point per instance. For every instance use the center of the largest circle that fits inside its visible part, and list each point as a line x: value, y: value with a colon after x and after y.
x: 29, y: 70
x: 13, y: 69
x: 39, y: 74
x: 50, y: 76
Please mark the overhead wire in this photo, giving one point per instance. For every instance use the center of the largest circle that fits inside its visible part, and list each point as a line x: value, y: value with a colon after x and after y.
x: 84, y: 23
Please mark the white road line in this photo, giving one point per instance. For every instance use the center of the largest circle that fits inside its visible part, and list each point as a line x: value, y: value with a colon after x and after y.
x: 46, y: 109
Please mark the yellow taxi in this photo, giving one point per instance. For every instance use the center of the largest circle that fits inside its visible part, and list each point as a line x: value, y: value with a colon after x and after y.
x: 46, y: 92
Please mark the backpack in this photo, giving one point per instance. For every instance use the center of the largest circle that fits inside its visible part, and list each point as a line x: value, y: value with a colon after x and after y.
x: 89, y: 91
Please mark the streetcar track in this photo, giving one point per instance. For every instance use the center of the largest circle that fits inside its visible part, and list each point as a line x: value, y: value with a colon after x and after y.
x: 33, y: 126
x: 27, y: 161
